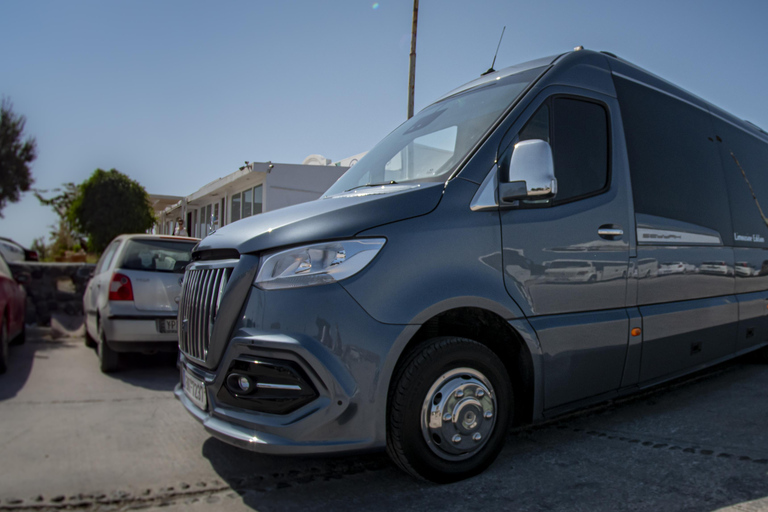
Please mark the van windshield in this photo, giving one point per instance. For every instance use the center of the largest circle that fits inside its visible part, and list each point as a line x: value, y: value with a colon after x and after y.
x: 429, y: 146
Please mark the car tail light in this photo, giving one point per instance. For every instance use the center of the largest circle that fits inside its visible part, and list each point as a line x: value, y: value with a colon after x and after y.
x: 120, y: 287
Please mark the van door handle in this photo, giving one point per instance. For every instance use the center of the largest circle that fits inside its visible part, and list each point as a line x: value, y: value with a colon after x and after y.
x: 610, y: 232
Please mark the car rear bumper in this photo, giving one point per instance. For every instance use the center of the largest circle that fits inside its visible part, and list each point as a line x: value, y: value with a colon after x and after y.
x: 136, y: 330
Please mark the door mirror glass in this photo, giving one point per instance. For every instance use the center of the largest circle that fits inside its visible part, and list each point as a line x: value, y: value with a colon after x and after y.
x: 531, y: 173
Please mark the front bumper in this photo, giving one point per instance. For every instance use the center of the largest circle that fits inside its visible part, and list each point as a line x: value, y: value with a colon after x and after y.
x: 344, y: 354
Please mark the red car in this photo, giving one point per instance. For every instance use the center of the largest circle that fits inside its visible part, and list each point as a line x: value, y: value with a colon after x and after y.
x: 13, y: 301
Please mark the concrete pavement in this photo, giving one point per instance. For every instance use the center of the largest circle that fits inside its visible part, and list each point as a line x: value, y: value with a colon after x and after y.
x: 71, y: 437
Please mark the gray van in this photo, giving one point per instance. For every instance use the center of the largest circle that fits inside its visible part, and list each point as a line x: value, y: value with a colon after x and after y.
x: 414, y: 307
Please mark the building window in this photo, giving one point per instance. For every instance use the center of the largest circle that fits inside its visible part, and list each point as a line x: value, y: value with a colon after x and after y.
x: 257, y: 200
x: 208, y: 221
x: 247, y: 203
x: 235, y: 215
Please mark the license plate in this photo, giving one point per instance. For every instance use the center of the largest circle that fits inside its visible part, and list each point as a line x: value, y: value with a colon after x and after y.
x: 194, y: 388
x: 168, y: 325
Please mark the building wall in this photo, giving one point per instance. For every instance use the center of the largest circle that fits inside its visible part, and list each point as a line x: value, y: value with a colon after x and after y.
x: 255, y: 188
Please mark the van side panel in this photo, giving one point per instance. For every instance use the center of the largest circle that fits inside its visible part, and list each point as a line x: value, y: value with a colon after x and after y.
x: 690, y: 313
x: 744, y: 154
x: 686, y: 334
x: 569, y: 279
x: 578, y: 363
x: 429, y: 261
x: 753, y: 320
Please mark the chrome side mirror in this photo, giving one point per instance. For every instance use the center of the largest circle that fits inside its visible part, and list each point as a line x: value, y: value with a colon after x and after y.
x: 531, y: 173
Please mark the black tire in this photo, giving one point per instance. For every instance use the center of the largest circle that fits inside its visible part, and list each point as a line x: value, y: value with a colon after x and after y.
x: 762, y: 355
x: 21, y: 338
x: 109, y: 360
x: 446, y: 451
x: 89, y: 341
x: 4, y: 342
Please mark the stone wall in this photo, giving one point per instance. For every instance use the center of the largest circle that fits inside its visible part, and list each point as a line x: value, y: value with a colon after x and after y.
x: 53, y: 287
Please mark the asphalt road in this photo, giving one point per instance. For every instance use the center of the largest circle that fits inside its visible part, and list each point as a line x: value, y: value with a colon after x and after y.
x: 73, y: 438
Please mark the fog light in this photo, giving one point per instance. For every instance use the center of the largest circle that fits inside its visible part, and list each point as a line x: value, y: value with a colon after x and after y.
x: 244, y: 383
x: 240, y: 384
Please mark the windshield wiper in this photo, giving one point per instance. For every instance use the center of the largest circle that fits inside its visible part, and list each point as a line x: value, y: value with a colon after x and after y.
x: 392, y: 182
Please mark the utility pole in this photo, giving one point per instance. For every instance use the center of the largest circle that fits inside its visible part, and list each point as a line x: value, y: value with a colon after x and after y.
x: 412, y: 74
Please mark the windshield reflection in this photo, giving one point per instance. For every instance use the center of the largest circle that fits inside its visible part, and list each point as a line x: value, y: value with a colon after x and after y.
x: 429, y: 146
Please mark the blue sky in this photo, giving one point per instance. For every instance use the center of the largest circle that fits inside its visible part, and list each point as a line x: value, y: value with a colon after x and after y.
x: 176, y: 93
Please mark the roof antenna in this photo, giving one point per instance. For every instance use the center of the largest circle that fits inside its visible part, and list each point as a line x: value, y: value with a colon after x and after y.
x: 491, y: 70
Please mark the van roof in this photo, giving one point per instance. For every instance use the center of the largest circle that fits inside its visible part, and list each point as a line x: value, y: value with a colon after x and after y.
x: 573, y: 64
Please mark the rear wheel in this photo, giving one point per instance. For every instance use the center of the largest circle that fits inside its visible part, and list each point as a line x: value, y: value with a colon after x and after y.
x: 89, y: 341
x: 21, y: 338
x: 109, y: 360
x: 4, y: 346
x: 449, y: 407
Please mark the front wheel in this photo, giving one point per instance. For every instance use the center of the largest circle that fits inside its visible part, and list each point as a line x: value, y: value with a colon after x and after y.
x: 449, y: 406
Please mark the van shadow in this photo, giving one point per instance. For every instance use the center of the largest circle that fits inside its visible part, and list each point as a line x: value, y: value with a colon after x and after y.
x: 156, y: 372
x: 661, y: 449
x: 21, y: 358
x: 251, y: 474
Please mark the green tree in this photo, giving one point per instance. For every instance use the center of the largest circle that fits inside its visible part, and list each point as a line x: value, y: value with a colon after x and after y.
x: 15, y: 155
x: 110, y: 204
x: 64, y: 236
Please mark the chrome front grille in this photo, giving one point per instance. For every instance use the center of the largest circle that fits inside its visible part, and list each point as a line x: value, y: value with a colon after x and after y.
x: 201, y: 294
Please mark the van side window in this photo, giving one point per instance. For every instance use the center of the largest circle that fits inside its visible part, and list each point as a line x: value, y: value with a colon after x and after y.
x: 580, y: 148
x: 745, y: 161
x: 674, y: 161
x: 578, y: 133
x: 537, y: 127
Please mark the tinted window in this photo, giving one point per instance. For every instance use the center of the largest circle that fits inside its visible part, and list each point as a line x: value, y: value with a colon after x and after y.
x: 673, y: 160
x: 537, y: 127
x: 745, y: 162
x: 578, y: 133
x: 580, y: 148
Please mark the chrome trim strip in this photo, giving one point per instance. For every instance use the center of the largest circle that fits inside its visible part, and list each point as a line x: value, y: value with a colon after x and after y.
x: 668, y: 236
x: 284, y: 387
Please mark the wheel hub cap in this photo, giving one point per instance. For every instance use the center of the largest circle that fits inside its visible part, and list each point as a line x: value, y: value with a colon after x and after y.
x: 459, y: 414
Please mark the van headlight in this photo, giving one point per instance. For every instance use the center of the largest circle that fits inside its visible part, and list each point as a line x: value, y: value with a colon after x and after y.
x: 315, y: 264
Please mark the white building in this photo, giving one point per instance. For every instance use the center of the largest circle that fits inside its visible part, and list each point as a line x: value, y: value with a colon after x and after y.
x: 256, y: 187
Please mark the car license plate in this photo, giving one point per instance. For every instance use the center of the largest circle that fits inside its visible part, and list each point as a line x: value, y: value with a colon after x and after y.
x: 194, y: 388
x: 168, y: 325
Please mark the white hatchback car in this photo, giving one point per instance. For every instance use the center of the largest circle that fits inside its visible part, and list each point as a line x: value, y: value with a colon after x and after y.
x: 131, y: 301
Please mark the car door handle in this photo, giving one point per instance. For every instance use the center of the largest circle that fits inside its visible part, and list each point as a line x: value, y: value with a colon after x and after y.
x: 610, y: 232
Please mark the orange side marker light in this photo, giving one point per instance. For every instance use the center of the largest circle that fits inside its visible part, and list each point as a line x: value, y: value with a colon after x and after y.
x: 636, y: 331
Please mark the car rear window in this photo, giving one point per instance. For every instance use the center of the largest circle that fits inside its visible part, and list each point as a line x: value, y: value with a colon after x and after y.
x: 156, y: 255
